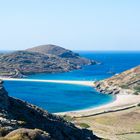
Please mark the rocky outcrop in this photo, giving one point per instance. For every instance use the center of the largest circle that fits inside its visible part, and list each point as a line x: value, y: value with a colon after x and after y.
x: 27, y: 134
x: 127, y: 82
x: 53, y: 50
x: 16, y: 114
x: 41, y: 59
x: 3, y: 97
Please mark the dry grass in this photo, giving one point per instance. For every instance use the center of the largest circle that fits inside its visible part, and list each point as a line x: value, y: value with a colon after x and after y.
x: 121, y: 125
x: 17, y: 137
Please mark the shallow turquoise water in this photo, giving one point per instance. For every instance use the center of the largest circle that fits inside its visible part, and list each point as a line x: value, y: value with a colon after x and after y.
x: 68, y: 97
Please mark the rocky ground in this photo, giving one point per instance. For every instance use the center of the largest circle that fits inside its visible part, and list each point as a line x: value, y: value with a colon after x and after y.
x: 41, y: 59
x: 22, y: 121
x: 127, y: 82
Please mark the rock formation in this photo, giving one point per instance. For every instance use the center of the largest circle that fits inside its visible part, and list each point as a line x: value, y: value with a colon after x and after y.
x: 127, y: 82
x: 41, y: 59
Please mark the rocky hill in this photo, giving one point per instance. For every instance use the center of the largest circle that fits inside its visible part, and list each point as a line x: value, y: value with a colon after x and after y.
x: 54, y: 50
x: 41, y: 59
x: 127, y: 82
x: 20, y: 120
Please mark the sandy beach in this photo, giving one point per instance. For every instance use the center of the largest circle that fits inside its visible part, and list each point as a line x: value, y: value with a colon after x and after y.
x: 121, y: 102
x: 84, y: 83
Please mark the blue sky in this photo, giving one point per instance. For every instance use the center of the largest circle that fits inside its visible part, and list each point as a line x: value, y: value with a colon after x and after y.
x: 73, y: 24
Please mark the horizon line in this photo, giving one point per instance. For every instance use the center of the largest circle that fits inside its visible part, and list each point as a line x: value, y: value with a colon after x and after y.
x: 78, y: 50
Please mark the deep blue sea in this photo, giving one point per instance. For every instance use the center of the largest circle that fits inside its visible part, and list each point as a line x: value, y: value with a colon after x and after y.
x: 67, y: 97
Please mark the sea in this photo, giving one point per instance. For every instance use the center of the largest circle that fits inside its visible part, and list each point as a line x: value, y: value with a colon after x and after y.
x: 56, y: 97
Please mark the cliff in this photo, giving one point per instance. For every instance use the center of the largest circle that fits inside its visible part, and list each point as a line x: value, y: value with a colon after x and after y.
x: 20, y: 120
x: 41, y: 59
x: 127, y: 82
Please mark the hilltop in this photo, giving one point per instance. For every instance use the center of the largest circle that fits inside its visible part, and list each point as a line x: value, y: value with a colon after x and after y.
x: 21, y: 120
x: 127, y: 82
x: 54, y: 50
x: 41, y: 59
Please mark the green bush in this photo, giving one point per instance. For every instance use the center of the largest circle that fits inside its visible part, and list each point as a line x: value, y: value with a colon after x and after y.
x: 124, y: 86
x: 84, y: 125
x: 137, y: 88
x: 136, y: 93
x: 68, y: 118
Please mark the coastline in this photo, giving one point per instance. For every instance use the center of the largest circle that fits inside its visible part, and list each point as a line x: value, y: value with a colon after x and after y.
x: 84, y: 83
x: 121, y: 102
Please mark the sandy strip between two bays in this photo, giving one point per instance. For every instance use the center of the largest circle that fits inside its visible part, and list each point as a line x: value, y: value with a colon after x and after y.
x: 84, y: 83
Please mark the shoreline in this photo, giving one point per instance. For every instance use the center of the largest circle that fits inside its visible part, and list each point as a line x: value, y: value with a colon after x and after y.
x: 84, y: 83
x: 86, y: 109
x: 121, y: 102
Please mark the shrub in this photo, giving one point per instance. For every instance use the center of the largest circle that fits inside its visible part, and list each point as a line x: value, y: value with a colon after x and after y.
x: 84, y: 125
x: 137, y: 88
x: 124, y: 86
x: 136, y: 93
x: 68, y: 118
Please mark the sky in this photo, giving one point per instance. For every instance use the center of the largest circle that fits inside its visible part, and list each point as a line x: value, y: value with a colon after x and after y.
x: 72, y: 24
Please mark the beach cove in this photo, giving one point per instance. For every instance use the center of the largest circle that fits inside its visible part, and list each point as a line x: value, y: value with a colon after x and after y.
x: 118, y: 102
x: 49, y: 91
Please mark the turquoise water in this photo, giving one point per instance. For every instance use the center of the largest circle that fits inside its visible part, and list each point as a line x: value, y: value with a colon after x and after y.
x: 57, y: 97
x: 67, y: 97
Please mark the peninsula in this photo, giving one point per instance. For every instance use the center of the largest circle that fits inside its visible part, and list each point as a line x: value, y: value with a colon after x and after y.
x: 127, y: 82
x: 40, y: 59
